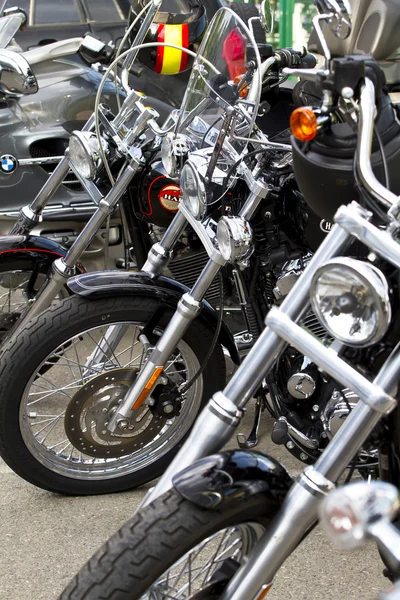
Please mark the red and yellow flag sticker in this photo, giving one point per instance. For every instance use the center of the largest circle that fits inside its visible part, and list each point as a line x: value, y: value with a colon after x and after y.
x: 170, y: 61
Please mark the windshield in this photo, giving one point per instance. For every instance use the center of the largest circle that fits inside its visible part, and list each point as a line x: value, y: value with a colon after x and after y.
x: 9, y: 27
x: 224, y: 87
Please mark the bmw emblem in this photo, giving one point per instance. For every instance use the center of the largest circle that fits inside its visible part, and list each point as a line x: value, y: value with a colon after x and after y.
x: 8, y: 164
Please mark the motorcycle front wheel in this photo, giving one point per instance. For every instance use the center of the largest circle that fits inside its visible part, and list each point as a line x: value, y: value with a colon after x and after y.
x: 174, y: 550
x: 56, y: 401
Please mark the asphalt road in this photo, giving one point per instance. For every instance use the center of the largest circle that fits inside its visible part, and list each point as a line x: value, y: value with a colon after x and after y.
x: 45, y: 538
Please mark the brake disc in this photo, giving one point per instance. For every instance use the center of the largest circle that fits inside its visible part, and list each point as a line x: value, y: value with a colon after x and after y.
x: 93, y: 406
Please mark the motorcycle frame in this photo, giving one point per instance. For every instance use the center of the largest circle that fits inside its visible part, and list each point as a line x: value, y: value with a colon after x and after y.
x: 219, y: 419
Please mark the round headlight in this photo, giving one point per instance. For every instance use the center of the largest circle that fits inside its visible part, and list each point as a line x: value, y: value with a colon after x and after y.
x: 193, y: 191
x: 174, y: 152
x: 348, y: 512
x: 84, y: 153
x: 351, y: 299
x: 234, y: 238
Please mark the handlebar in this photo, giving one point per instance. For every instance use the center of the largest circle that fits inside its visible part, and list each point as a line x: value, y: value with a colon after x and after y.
x: 287, y: 57
x: 364, y: 146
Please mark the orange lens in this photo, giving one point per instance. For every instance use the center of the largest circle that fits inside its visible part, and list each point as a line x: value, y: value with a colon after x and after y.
x: 147, y: 388
x: 264, y: 591
x: 245, y: 90
x: 303, y: 124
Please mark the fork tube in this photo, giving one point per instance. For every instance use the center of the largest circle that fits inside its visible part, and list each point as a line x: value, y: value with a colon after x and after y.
x: 188, y: 308
x: 29, y: 215
x: 161, y: 252
x: 63, y: 268
x: 157, y: 259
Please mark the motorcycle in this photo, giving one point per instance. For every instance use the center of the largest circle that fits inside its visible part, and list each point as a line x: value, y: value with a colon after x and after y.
x: 222, y: 524
x: 45, y: 93
x: 49, y: 225
x: 161, y: 347
x: 360, y: 511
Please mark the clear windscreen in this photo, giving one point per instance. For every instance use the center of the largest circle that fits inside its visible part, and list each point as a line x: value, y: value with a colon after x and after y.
x: 8, y: 28
x: 225, y: 76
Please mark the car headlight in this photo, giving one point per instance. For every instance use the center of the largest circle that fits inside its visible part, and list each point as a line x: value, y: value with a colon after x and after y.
x: 193, y: 191
x: 348, y: 512
x: 84, y: 153
x: 351, y: 299
x: 174, y: 152
x: 235, y: 239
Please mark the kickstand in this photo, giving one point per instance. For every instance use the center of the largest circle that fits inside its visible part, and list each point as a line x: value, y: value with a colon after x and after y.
x: 252, y: 440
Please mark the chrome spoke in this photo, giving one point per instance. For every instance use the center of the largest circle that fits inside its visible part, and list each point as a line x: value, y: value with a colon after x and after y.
x: 193, y: 571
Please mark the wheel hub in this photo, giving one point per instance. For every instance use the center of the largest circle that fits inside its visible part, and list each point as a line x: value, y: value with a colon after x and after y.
x: 91, y: 409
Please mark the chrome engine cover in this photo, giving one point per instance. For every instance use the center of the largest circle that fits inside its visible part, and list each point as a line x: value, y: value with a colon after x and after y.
x: 337, y: 410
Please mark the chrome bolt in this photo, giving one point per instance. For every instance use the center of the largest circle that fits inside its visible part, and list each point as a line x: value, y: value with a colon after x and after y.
x: 104, y: 410
x: 168, y: 409
x: 290, y: 445
x: 151, y: 402
x: 123, y: 424
x: 303, y: 456
x: 315, y: 408
x: 347, y: 93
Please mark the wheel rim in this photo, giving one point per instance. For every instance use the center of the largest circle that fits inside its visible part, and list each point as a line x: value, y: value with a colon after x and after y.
x: 195, y: 572
x: 59, y: 377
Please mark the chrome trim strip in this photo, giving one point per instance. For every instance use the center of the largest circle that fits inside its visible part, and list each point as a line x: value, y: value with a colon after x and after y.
x: 40, y: 161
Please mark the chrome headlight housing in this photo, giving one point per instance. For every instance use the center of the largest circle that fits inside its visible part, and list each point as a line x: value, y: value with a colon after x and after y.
x: 193, y: 191
x: 235, y: 239
x: 84, y: 153
x: 174, y: 152
x: 351, y: 299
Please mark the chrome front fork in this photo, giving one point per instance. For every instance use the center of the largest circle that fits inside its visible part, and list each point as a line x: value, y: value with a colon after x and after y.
x: 64, y: 267
x: 30, y: 215
x: 158, y: 258
x: 187, y: 310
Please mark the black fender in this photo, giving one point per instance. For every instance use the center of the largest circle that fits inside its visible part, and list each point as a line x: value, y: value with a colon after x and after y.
x: 18, y: 247
x: 166, y: 290
x: 231, y: 477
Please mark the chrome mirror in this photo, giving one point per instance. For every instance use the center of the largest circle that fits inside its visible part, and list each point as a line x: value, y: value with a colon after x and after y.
x: 266, y: 16
x: 16, y: 75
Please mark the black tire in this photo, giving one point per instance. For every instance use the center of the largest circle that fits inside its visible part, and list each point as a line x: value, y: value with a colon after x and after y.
x: 246, y: 12
x: 151, y: 542
x: 21, y: 358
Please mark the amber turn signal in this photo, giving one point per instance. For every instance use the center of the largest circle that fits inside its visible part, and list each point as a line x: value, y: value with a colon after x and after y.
x: 147, y: 388
x: 303, y: 124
